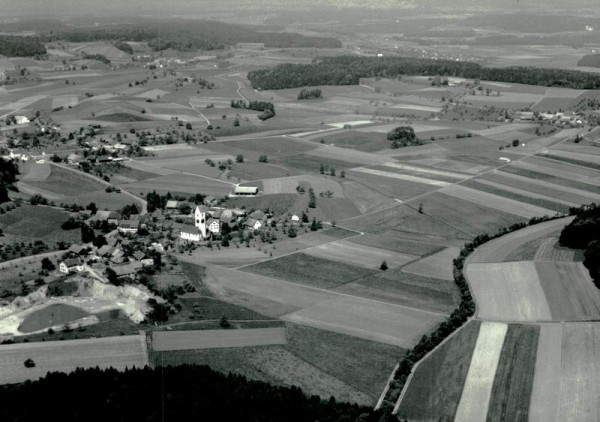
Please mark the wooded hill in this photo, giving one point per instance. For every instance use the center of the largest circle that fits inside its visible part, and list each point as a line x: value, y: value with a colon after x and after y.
x: 347, y: 70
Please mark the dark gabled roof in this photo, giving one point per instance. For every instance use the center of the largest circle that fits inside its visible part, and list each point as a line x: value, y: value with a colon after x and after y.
x: 72, y: 262
x: 188, y: 228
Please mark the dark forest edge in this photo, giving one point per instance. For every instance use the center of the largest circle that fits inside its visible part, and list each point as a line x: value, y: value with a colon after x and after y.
x: 460, y: 315
x: 584, y: 233
x: 179, y: 393
x: 348, y: 70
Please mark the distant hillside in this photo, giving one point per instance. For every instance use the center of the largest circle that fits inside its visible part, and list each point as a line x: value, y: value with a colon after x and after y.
x: 14, y: 46
x: 187, y: 35
x: 347, y: 70
x: 590, y: 60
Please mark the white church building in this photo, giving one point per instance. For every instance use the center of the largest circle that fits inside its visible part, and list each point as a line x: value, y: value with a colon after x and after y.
x: 203, y: 227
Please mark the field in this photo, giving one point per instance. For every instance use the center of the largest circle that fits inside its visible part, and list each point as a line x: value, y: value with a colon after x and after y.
x: 181, y: 183
x: 67, y: 183
x: 354, y: 254
x: 67, y: 355
x: 38, y: 222
x: 310, y: 270
x: 477, y: 390
x: 437, y: 384
x: 513, y: 382
x: 438, y: 265
x: 396, y: 244
x: 566, y: 372
x: 398, y: 287
x: 50, y: 316
x: 509, y: 291
x: 570, y: 292
x: 216, y: 339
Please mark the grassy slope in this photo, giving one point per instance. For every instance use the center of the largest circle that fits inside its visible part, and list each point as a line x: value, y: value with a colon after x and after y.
x: 37, y: 222
x: 50, y: 316
x: 68, y: 183
x: 436, y: 387
x: 310, y: 270
x: 511, y: 393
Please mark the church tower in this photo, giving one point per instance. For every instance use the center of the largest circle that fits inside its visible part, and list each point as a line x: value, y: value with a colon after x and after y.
x: 200, y: 217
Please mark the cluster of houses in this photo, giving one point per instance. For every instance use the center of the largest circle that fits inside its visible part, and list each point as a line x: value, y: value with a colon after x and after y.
x: 567, y: 118
x: 208, y: 222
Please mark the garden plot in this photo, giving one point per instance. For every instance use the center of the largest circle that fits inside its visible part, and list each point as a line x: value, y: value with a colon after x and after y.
x: 367, y: 319
x: 355, y: 254
x: 509, y: 291
x: 569, y: 290
x: 497, y: 202
x: 67, y: 355
x: 216, y: 339
x: 476, y: 394
x: 438, y: 265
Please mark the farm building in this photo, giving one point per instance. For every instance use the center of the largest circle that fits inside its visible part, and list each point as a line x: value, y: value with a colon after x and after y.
x: 171, y: 205
x: 128, y: 269
x: 245, y: 191
x: 213, y: 225
x: 21, y: 120
x: 129, y: 226
x: 253, y: 224
x: 71, y: 265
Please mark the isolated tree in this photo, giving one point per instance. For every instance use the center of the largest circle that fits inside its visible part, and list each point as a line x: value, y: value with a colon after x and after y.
x: 87, y: 234
x: 112, y: 277
x: 263, y: 159
x: 47, y: 264
x: 224, y: 322
x: 383, y: 266
x: 239, y: 158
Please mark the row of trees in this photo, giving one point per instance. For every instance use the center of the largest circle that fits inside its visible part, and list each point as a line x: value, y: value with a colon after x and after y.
x: 267, y: 108
x: 310, y: 94
x: 347, y: 70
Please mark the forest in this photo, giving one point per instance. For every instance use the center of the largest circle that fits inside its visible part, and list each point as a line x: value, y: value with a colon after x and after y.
x: 167, y: 394
x: 185, y: 36
x: 584, y: 233
x: 15, y: 46
x: 348, y: 70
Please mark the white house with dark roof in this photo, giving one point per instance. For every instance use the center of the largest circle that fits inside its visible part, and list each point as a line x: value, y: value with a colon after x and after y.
x: 191, y: 233
x: 71, y: 265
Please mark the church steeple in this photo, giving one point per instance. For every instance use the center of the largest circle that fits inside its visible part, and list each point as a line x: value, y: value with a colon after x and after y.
x: 200, y: 219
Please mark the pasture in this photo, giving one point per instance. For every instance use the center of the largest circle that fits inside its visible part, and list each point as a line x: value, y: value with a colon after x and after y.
x: 438, y: 265
x: 182, y: 183
x: 67, y: 182
x: 38, y: 222
x: 65, y: 356
x: 216, y: 339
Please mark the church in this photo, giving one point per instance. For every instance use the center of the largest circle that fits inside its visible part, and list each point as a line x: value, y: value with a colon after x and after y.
x: 203, y: 227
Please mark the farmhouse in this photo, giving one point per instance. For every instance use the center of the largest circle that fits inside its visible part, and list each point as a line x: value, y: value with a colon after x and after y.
x: 245, y: 191
x: 21, y: 120
x: 129, y: 226
x: 253, y: 224
x: 71, y: 265
x: 171, y: 205
x: 128, y: 269
x: 214, y: 226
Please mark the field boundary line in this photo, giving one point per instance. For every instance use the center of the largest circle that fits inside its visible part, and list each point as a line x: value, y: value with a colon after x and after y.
x: 416, y: 365
x: 387, y: 387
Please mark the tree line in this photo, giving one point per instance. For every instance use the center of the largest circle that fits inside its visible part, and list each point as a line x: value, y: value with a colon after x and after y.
x: 267, y: 108
x: 348, y: 70
x: 8, y: 176
x: 16, y: 46
x: 169, y: 393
